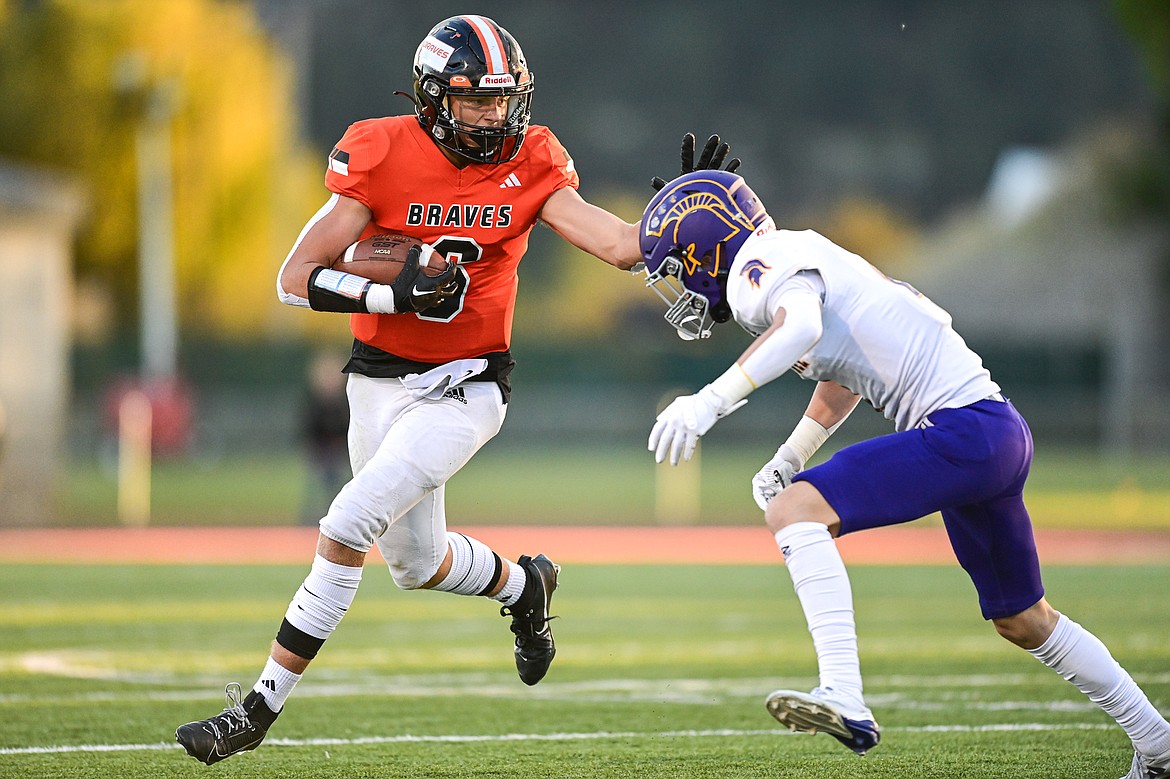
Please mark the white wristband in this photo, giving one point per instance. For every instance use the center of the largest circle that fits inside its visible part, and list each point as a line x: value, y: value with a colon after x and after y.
x: 733, y: 386
x: 807, y: 437
x: 380, y: 299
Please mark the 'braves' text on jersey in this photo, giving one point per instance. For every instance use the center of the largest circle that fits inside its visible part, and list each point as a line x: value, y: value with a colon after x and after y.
x: 480, y: 216
x: 882, y: 338
x: 438, y: 215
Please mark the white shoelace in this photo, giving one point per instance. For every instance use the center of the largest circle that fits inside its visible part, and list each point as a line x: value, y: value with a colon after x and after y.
x: 234, y: 717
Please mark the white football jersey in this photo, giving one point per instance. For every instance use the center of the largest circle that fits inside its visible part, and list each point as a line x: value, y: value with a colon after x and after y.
x: 882, y: 338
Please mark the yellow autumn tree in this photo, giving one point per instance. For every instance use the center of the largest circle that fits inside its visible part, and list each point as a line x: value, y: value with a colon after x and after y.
x: 77, y: 78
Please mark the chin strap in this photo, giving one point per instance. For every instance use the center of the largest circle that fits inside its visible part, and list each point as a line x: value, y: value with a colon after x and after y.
x: 411, y: 98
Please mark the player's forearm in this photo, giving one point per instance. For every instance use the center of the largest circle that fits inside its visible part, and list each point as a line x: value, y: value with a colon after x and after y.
x: 831, y: 404
x: 829, y: 407
x: 607, y: 238
x: 592, y: 229
x: 796, y: 329
x: 324, y: 237
x: 294, y: 279
x: 621, y: 250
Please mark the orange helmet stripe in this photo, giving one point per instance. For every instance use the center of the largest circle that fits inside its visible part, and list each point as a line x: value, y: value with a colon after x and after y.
x: 493, y: 46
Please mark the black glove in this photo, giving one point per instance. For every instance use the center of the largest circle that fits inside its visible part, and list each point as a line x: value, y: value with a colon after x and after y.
x: 714, y: 153
x: 415, y: 290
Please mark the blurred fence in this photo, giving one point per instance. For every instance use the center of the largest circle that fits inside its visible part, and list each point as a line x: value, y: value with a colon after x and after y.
x: 251, y: 397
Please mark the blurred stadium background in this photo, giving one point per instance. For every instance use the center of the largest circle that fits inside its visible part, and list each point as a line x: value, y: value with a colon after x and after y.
x: 1012, y: 160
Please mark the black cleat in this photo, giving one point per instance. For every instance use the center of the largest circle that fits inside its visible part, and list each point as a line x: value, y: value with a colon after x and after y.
x: 535, y: 647
x: 241, y: 727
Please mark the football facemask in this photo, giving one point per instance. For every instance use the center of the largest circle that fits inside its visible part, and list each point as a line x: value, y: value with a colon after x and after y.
x: 687, y: 311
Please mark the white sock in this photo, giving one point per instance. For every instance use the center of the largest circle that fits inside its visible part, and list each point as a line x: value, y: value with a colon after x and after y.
x: 475, y: 568
x: 822, y: 586
x: 1080, y: 658
x: 514, y: 587
x: 275, y: 684
x: 321, y: 602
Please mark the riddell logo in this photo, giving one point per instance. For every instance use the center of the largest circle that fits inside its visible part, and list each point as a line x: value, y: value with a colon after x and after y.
x: 500, y: 80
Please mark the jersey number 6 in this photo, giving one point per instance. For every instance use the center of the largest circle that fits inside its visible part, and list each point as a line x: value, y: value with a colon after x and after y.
x: 461, y: 251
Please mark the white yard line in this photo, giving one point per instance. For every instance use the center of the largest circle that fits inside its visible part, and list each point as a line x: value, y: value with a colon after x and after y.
x: 596, y: 736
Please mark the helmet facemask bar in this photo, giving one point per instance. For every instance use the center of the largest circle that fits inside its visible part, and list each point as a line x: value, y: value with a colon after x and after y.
x: 687, y: 311
x: 487, y: 143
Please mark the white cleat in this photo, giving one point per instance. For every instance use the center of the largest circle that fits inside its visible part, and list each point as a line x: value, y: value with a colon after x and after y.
x: 825, y: 710
x: 1141, y: 769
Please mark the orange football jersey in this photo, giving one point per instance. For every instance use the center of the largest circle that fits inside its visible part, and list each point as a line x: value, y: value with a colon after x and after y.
x: 480, y: 215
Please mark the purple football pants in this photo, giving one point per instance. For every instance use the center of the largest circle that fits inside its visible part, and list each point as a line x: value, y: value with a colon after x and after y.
x: 968, y: 463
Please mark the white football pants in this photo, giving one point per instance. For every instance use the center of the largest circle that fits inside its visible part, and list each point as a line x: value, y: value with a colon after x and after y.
x: 403, y: 450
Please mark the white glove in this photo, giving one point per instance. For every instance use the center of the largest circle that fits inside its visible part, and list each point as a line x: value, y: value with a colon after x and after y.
x: 776, y: 475
x: 680, y: 424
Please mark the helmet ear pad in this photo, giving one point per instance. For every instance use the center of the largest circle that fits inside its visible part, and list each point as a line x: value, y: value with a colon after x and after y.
x: 429, y: 94
x: 721, y: 309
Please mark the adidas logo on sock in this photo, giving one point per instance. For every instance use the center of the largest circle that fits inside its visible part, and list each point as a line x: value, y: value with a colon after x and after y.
x: 511, y: 181
x: 268, y: 684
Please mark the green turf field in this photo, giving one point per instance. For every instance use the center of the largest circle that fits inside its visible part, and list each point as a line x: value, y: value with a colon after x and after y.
x: 661, y: 672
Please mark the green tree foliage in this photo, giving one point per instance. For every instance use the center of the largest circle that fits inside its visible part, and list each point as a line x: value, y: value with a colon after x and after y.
x: 1144, y: 187
x: 569, y: 296
x: 77, y: 79
x: 1148, y: 23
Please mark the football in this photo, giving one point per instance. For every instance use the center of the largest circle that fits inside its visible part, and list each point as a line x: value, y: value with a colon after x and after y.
x: 380, y: 258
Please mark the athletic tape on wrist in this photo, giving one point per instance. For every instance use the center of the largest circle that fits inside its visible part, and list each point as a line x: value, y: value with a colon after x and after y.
x: 806, y: 438
x: 733, y: 386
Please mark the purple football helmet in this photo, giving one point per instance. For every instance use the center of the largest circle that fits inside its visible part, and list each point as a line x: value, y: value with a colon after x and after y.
x: 690, y: 233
